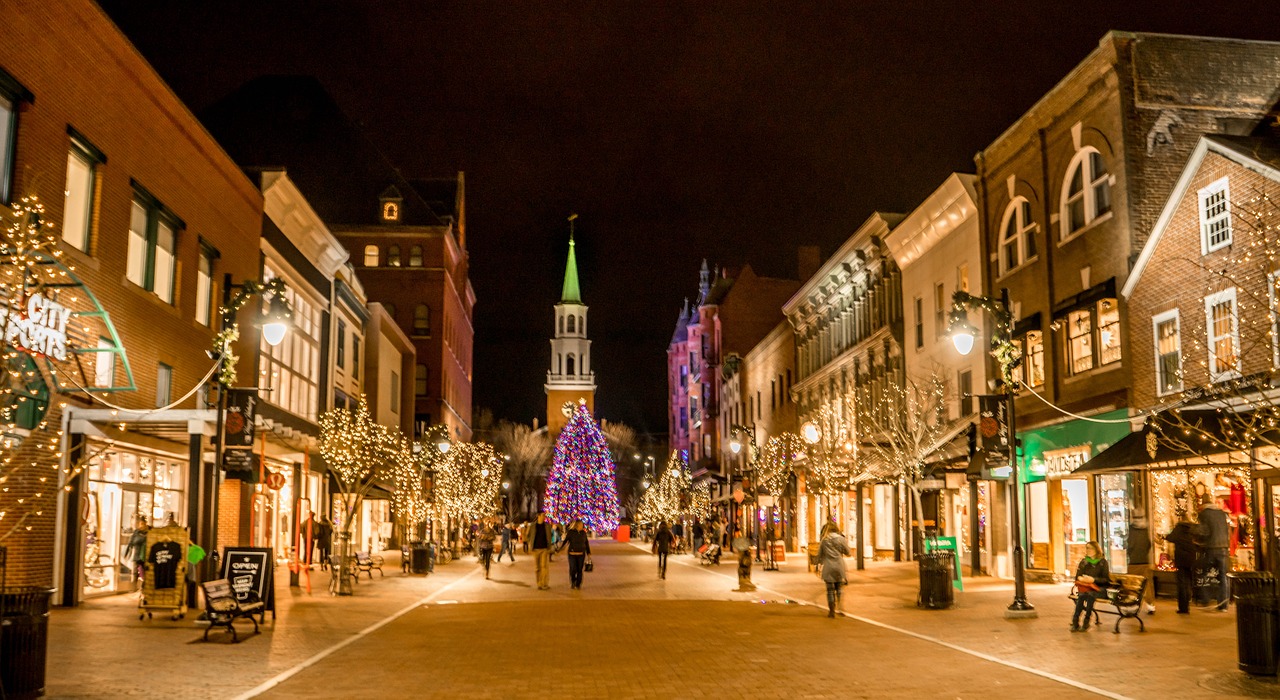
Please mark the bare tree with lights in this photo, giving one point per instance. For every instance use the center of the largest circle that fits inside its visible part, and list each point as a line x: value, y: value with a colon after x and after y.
x: 530, y: 456
x: 667, y: 499
x: 467, y: 481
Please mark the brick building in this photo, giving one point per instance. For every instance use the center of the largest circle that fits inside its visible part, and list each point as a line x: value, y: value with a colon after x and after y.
x: 407, y: 236
x: 1067, y: 196
x: 154, y: 216
x: 1203, y: 300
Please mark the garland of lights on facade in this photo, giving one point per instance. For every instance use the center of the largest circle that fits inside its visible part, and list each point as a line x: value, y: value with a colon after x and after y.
x: 582, y: 484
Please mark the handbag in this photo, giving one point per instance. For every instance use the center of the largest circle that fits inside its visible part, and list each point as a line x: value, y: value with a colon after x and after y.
x: 1208, y: 574
x: 589, y: 566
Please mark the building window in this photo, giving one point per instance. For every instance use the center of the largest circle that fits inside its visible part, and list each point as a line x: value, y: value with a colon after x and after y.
x: 939, y: 310
x: 1108, y: 332
x: 289, y: 372
x: 204, y: 286
x: 1215, y: 216
x: 1224, y: 338
x: 1086, y: 192
x: 415, y: 256
x: 11, y: 93
x: 1017, y: 235
x: 104, y: 364
x: 569, y: 365
x: 919, y: 322
x: 393, y: 256
x: 1080, y: 341
x: 964, y: 387
x: 1168, y: 352
x: 355, y: 356
x: 342, y: 344
x: 395, y: 392
x: 164, y: 384
x: 77, y: 213
x: 1035, y: 359
x: 420, y: 380
x: 962, y: 278
x: 371, y: 256
x: 152, y: 245
x: 422, y: 320
x: 572, y: 320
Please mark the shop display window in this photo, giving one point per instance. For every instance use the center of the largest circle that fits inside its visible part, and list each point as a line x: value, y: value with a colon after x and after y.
x: 1176, y: 493
x: 1117, y: 499
x: 1075, y: 522
x: 1038, y: 525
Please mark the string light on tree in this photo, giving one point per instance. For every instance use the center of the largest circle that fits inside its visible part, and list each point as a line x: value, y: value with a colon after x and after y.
x: 666, y: 500
x: 582, y: 484
x: 467, y: 481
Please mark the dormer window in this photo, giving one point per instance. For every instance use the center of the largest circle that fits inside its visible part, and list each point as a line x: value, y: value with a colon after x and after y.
x: 389, y: 204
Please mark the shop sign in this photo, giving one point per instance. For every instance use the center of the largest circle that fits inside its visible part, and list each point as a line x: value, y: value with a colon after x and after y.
x: 42, y: 330
x: 238, y: 459
x: 251, y: 571
x: 1060, y: 463
x: 275, y: 481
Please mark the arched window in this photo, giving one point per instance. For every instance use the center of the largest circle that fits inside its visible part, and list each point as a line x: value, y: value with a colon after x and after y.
x: 420, y: 381
x: 569, y: 365
x: 582, y: 325
x: 559, y: 363
x: 1086, y: 191
x: 371, y: 256
x: 393, y: 256
x: 422, y: 320
x: 1017, y: 235
x: 571, y: 319
x: 415, y: 256
x: 561, y: 330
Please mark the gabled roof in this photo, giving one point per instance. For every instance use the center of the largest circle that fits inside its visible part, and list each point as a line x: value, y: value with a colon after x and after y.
x: 292, y: 122
x: 1258, y: 153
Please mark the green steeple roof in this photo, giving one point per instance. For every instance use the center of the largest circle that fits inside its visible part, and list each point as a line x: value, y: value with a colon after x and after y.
x: 569, y: 293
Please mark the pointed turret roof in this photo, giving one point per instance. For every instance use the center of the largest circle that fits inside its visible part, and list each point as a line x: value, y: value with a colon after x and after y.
x: 569, y: 293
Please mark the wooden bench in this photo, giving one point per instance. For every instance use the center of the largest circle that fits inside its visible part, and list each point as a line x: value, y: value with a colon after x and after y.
x: 1125, y: 601
x: 222, y: 608
x: 366, y: 563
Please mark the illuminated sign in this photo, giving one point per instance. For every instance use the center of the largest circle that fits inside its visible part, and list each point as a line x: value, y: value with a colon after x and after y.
x: 1060, y: 463
x: 42, y: 330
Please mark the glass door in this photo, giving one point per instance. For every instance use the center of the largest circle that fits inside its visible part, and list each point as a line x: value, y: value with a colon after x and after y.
x: 1116, y: 501
x: 1269, y: 527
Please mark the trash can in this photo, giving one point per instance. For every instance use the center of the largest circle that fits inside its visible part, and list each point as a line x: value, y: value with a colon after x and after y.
x: 24, y: 641
x: 1257, y: 622
x: 420, y: 556
x: 935, y: 581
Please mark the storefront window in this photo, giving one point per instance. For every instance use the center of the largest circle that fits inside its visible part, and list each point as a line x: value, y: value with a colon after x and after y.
x: 884, y: 516
x: 1176, y: 494
x: 1116, y: 500
x: 1075, y: 522
x: 1038, y: 525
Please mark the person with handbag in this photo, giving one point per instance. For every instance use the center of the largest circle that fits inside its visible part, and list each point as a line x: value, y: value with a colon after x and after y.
x: 1185, y: 555
x: 579, y: 546
x: 1214, y: 531
x: 1092, y: 576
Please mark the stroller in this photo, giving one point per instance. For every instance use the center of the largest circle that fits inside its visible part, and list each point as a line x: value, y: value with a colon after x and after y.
x: 709, y: 554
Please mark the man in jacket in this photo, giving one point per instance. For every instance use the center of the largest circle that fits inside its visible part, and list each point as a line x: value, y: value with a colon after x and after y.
x: 1185, y: 553
x: 1214, y: 531
x: 542, y: 551
x: 1139, y: 555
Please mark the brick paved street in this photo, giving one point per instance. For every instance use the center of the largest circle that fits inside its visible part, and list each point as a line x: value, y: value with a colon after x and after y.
x: 626, y: 634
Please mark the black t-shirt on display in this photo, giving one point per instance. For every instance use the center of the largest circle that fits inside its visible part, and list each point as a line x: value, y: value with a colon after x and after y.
x: 164, y: 560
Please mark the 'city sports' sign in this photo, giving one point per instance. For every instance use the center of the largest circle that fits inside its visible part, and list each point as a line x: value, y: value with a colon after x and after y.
x: 42, y: 330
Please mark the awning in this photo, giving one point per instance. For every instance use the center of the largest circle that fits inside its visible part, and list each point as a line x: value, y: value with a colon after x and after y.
x: 1202, y: 435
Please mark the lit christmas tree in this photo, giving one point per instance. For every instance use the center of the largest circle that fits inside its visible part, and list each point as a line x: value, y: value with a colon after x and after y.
x: 581, y: 484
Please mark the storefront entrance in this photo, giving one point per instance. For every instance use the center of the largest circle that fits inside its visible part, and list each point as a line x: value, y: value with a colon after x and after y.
x: 1269, y: 522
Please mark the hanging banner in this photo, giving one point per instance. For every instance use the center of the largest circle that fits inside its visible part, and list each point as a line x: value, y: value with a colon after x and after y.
x: 238, y: 459
x: 993, y: 423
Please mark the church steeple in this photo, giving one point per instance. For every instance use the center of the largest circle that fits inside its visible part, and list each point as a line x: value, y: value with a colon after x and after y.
x: 570, y: 379
x: 569, y: 292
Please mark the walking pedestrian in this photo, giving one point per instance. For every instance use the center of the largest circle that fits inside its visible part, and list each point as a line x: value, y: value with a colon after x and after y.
x: 542, y: 551
x: 1185, y: 554
x: 484, y: 540
x: 697, y: 535
x: 662, y: 547
x: 136, y: 550
x: 324, y: 540
x: 677, y: 529
x: 831, y: 554
x: 579, y: 546
x: 525, y: 531
x: 742, y: 548
x: 1214, y: 531
x: 508, y: 542
x: 1138, y: 550
x: 1092, y: 575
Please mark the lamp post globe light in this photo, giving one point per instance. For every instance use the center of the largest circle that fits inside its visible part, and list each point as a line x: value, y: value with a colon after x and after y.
x: 1009, y: 358
x: 753, y: 454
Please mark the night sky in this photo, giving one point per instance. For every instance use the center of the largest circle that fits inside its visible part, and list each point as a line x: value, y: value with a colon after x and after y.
x: 733, y: 131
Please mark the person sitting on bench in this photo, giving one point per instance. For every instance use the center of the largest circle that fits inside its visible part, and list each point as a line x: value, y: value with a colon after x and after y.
x: 1092, y: 576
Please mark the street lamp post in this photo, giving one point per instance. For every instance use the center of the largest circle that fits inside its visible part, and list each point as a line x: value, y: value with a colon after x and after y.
x: 753, y: 454
x: 274, y: 324
x: 1009, y: 358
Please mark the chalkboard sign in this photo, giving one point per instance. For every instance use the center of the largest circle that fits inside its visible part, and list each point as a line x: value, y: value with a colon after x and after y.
x: 251, y: 570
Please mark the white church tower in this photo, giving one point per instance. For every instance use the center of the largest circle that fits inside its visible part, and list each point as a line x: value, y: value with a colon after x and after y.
x: 570, y: 379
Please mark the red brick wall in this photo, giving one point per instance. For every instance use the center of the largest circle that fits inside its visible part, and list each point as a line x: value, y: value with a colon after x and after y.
x: 86, y: 75
x: 1179, y: 276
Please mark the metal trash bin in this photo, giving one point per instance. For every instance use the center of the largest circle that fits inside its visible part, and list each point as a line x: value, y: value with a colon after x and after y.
x: 1257, y: 621
x: 935, y: 581
x: 420, y: 556
x: 24, y: 641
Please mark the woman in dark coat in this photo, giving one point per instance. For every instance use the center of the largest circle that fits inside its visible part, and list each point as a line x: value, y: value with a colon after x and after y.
x: 579, y: 549
x: 1092, y: 575
x: 662, y: 547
